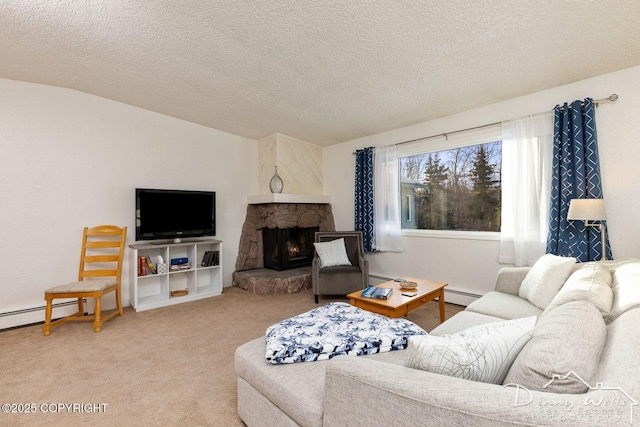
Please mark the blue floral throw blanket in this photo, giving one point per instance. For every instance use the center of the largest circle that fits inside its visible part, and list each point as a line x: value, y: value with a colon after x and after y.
x: 334, y: 329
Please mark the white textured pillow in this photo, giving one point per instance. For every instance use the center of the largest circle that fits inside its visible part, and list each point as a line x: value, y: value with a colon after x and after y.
x: 332, y: 253
x: 545, y: 279
x: 591, y: 282
x: 481, y: 353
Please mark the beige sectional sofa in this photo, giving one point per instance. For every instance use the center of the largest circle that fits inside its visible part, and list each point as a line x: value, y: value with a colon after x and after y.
x: 380, y: 390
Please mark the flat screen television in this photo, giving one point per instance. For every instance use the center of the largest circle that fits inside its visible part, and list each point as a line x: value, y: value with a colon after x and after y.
x: 174, y: 214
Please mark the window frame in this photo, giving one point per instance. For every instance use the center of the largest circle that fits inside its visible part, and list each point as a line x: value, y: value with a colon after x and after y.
x: 443, y: 142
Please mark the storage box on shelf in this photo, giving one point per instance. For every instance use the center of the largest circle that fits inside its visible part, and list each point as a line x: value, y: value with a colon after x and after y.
x: 149, y: 290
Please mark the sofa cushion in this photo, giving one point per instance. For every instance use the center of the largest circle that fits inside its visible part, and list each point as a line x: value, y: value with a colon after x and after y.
x: 461, y: 321
x: 296, y: 388
x: 276, y: 382
x: 509, y: 279
x: 591, y: 282
x: 625, y: 286
x: 545, y: 278
x: 567, y: 342
x: 505, y: 306
x: 481, y: 353
x: 332, y: 253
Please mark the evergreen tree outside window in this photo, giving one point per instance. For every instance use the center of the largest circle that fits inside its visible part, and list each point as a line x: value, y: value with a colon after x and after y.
x: 457, y: 189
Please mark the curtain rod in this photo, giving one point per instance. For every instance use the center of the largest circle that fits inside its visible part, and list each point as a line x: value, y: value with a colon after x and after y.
x: 446, y: 135
x: 610, y: 98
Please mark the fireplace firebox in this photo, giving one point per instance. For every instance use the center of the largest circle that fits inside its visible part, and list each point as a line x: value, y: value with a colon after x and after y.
x: 286, y: 248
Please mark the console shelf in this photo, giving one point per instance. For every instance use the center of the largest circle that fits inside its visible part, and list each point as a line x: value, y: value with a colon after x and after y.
x: 154, y: 290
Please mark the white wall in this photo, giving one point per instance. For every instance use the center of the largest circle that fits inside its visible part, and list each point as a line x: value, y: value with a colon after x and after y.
x: 69, y: 160
x: 471, y: 265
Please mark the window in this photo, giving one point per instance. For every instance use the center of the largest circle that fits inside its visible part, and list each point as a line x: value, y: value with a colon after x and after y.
x: 452, y: 189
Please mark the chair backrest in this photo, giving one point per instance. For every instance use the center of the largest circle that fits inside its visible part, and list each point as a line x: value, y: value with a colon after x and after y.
x: 102, y: 252
x: 353, y: 242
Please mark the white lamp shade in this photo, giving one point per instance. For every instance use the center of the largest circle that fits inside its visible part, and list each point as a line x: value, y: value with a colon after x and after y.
x: 587, y: 210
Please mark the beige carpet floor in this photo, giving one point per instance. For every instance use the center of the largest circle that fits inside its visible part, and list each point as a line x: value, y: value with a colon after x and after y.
x: 168, y: 366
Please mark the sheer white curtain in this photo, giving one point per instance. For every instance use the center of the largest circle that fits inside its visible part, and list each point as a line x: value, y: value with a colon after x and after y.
x: 527, y: 151
x: 386, y: 200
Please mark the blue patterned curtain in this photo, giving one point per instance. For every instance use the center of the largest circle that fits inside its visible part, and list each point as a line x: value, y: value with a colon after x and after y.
x: 575, y: 175
x: 364, y: 196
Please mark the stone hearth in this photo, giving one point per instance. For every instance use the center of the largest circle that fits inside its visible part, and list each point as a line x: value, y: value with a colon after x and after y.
x: 250, y: 274
x: 264, y: 281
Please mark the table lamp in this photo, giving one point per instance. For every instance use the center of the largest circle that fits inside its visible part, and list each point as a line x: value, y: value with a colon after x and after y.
x: 589, y: 210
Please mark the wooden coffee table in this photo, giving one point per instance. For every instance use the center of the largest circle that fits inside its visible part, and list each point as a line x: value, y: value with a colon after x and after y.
x: 398, y: 305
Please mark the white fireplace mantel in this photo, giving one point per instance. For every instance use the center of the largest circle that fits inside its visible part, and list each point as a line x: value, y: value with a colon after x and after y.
x: 259, y: 199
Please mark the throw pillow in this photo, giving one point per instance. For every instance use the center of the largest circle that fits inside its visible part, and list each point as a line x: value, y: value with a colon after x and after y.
x: 481, y: 353
x: 545, y: 278
x: 591, y: 282
x: 332, y: 253
x: 563, y: 355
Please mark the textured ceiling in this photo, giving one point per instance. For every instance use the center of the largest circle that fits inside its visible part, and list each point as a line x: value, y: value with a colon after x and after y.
x: 323, y: 71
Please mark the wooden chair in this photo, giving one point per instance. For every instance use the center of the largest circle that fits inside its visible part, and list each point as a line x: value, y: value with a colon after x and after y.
x: 100, y: 272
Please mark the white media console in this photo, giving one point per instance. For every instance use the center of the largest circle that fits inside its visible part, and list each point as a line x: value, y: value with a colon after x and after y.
x: 154, y: 290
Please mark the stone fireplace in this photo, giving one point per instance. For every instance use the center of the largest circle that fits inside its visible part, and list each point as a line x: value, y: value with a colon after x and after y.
x: 263, y: 220
x: 301, y: 205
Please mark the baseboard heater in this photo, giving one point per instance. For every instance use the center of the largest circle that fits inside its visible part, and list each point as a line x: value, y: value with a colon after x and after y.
x: 11, y: 319
x: 37, y: 308
x: 447, y: 289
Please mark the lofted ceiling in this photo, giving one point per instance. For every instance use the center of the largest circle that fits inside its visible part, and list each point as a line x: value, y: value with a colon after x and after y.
x: 324, y: 71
